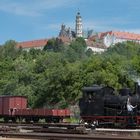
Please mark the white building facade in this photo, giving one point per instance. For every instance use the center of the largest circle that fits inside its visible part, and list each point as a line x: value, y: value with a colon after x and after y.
x: 96, y: 49
x: 111, y: 38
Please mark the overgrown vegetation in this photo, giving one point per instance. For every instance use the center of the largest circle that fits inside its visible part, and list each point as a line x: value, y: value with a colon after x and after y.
x: 54, y: 76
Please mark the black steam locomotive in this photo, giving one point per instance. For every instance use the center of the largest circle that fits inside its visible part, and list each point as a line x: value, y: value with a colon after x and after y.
x: 104, y: 107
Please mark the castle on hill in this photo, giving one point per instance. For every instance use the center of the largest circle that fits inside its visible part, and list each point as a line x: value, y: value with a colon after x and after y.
x: 96, y: 42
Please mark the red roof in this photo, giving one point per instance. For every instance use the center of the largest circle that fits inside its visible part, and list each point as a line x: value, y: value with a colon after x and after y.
x: 123, y: 35
x: 32, y: 44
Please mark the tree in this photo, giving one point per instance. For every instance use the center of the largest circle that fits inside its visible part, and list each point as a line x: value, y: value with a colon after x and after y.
x: 54, y: 45
x: 9, y: 50
x: 55, y: 78
x: 89, y: 52
x: 79, y: 47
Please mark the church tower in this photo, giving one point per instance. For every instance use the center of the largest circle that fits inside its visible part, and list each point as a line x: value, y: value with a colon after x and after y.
x: 78, y: 27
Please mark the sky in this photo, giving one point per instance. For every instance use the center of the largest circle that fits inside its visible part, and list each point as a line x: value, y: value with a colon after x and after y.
x: 23, y: 20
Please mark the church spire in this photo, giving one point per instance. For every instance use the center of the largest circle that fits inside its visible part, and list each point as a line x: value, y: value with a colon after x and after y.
x: 78, y: 27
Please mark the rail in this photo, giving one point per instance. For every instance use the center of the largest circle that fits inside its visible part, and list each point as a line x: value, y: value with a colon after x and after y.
x: 56, y: 136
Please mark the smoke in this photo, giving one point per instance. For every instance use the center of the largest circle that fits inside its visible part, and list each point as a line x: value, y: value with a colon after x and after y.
x: 138, y: 81
x: 134, y: 76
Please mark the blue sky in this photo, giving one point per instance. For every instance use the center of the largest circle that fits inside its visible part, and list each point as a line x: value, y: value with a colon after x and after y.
x: 23, y: 20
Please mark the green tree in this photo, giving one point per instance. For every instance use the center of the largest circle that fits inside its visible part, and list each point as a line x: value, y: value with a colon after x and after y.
x: 9, y: 50
x: 54, y: 45
x: 79, y: 47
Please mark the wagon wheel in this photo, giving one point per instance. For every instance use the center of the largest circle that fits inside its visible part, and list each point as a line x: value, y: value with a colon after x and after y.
x: 56, y: 120
x: 14, y: 120
x: 6, y: 119
x: 20, y: 119
x: 27, y: 120
x: 35, y: 120
x: 48, y: 120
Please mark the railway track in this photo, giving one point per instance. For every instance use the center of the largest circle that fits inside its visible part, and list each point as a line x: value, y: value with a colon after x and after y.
x: 40, y: 128
x: 65, y: 131
x: 55, y: 136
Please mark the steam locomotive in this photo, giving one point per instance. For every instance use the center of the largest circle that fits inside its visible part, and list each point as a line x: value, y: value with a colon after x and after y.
x: 104, y: 107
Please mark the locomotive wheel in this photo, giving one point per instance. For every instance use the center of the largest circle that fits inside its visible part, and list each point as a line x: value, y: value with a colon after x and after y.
x: 123, y: 125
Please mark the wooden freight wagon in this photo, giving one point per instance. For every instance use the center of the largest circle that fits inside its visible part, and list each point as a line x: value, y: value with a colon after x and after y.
x: 15, y: 107
x: 11, y: 103
x: 50, y: 115
x: 8, y: 105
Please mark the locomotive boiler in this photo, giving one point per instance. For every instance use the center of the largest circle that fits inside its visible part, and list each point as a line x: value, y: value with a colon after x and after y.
x: 103, y: 106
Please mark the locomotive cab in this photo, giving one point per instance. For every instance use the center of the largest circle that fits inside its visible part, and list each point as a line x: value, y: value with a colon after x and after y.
x: 92, y: 102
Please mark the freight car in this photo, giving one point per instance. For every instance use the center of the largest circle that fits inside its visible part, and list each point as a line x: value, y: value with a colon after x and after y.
x: 102, y: 106
x: 13, y: 108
